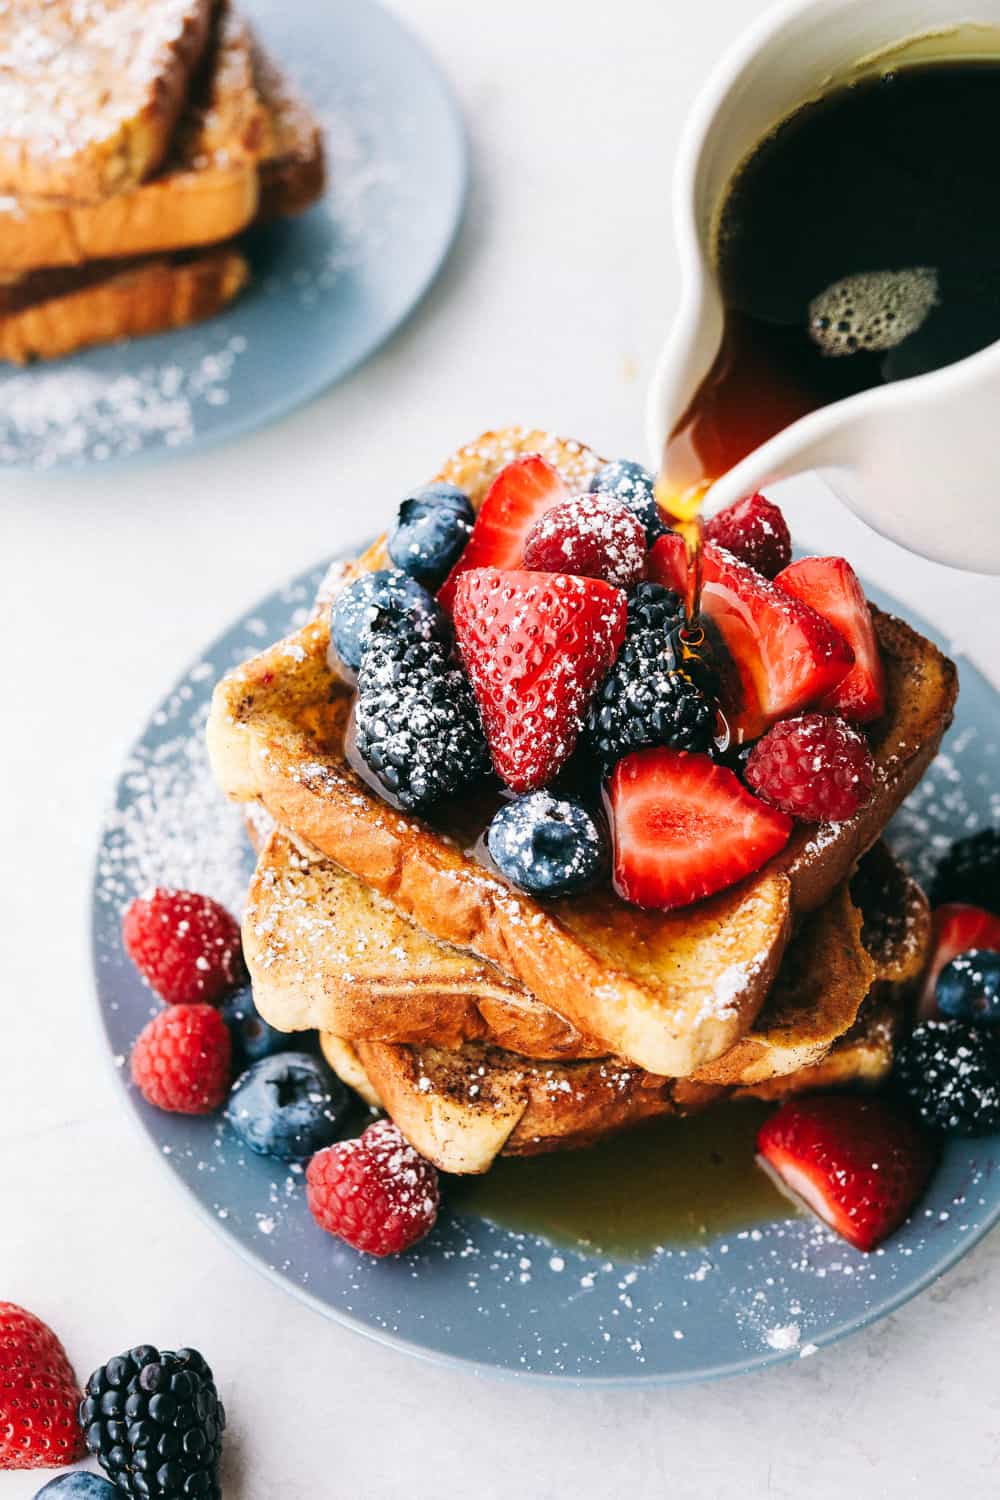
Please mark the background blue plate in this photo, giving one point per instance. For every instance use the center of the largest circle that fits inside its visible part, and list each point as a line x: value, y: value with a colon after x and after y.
x: 473, y: 1291
x: 328, y: 287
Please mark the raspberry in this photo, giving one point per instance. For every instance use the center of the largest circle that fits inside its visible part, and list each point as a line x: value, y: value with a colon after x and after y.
x: 185, y: 945
x: 375, y: 1192
x: 755, y: 531
x: 816, y: 768
x: 181, y: 1060
x: 38, y: 1395
x: 592, y: 536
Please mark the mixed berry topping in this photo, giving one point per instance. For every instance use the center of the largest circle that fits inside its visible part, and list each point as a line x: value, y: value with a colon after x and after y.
x: 957, y: 926
x: 755, y: 531
x: 949, y: 1071
x: 376, y: 1192
x: 633, y: 485
x: 430, y: 532
x: 830, y: 586
x: 393, y: 600
x: 416, y: 724
x: 815, y: 767
x: 154, y: 1422
x: 968, y: 988
x: 593, y: 536
x: 549, y: 846
x: 970, y: 871
x: 288, y: 1106
x: 519, y: 496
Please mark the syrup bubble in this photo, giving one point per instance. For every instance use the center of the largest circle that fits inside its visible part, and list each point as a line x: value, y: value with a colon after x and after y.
x: 873, y: 310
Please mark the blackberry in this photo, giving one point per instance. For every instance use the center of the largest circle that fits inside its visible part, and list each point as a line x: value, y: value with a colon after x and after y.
x: 650, y: 696
x: 154, y: 1422
x: 970, y: 871
x: 950, y: 1072
x: 416, y: 722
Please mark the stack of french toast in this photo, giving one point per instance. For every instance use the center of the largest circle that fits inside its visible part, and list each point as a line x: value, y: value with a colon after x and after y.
x: 138, y: 140
x: 487, y: 1018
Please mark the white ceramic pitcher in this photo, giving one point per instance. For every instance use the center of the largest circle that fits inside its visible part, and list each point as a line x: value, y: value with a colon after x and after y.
x: 919, y: 460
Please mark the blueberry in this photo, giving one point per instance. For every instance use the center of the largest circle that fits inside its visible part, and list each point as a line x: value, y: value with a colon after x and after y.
x: 968, y: 988
x: 630, y: 483
x: 546, y: 845
x: 79, y: 1486
x: 252, y: 1037
x: 430, y: 531
x: 389, y: 595
x: 288, y: 1106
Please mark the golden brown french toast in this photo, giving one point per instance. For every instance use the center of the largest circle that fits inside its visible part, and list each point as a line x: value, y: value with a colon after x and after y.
x: 51, y: 313
x: 90, y: 94
x: 462, y: 1107
x: 672, y: 991
x: 293, y: 166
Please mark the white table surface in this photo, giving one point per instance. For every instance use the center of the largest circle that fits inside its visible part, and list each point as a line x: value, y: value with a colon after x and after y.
x: 550, y: 312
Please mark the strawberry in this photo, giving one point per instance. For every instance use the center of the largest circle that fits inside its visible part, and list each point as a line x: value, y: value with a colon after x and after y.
x: 684, y: 827
x: 830, y: 585
x: 956, y: 928
x: 535, y: 646
x: 754, y: 530
x: 856, y: 1162
x: 39, y: 1395
x: 786, y: 655
x: 518, y: 497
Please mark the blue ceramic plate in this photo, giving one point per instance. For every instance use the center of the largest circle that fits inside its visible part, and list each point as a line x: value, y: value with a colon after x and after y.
x: 474, y: 1291
x: 328, y: 288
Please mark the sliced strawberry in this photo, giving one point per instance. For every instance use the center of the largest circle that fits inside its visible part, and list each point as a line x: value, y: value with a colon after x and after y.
x: 518, y: 497
x: 684, y: 827
x: 536, y: 647
x: 957, y: 927
x: 787, y: 656
x: 855, y: 1162
x: 830, y: 586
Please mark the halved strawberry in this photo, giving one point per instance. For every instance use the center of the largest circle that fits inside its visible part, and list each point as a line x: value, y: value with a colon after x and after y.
x: 857, y: 1163
x: 956, y: 928
x: 787, y: 656
x: 520, y: 494
x: 684, y: 827
x: 536, y: 647
x: 830, y: 586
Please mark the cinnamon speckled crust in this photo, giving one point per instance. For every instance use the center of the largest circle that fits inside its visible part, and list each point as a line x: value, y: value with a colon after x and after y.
x: 669, y: 991
x: 92, y: 90
x: 142, y: 297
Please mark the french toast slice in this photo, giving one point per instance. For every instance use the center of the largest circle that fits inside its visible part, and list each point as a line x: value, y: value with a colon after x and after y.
x: 671, y: 992
x: 90, y: 94
x: 207, y: 192
x: 50, y: 313
x: 463, y: 1107
x: 293, y: 166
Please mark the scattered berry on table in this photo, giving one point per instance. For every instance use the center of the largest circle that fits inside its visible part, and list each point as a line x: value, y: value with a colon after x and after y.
x: 536, y: 646
x: 955, y: 928
x: 970, y: 871
x: 968, y: 987
x: 416, y: 722
x: 632, y: 484
x: 38, y: 1395
x: 547, y: 845
x: 683, y: 828
x: 754, y: 530
x: 830, y: 586
x: 252, y: 1036
x: 154, y: 1422
x: 785, y: 656
x: 376, y: 1192
x: 430, y: 530
x: 650, y: 697
x: 185, y: 945
x: 389, y: 596
x: 591, y: 536
x: 950, y: 1073
x: 856, y: 1162
x: 816, y: 767
x: 79, y: 1486
x: 287, y: 1106
x: 520, y: 494
x: 181, y: 1060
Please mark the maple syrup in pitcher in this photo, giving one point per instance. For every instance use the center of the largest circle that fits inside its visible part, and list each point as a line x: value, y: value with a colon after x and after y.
x: 858, y: 244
